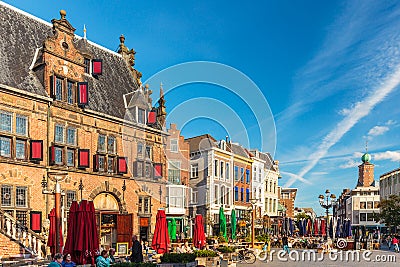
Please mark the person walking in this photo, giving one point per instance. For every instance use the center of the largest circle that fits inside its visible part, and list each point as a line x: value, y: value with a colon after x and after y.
x: 103, y: 260
x: 395, y: 243
x: 137, y: 251
x: 285, y: 243
x: 58, y: 258
x: 389, y: 241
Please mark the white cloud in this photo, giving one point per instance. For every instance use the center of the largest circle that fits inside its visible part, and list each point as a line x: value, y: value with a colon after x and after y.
x: 378, y: 130
x: 390, y: 122
x: 295, y: 177
x: 360, y: 110
x: 349, y: 164
x: 387, y: 155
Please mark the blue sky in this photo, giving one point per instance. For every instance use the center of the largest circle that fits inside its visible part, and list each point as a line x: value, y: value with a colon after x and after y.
x: 330, y: 71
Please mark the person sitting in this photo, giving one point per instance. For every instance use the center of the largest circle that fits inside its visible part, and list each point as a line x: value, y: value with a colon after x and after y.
x: 186, y: 248
x: 58, y: 258
x: 112, y: 253
x: 67, y: 262
x: 103, y: 260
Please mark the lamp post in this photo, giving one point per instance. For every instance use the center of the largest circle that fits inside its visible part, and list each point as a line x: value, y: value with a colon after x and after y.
x: 327, y: 202
x: 55, y: 177
x: 253, y: 202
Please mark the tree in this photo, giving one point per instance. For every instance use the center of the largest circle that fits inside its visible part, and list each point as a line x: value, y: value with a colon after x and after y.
x: 389, y: 213
x: 302, y: 215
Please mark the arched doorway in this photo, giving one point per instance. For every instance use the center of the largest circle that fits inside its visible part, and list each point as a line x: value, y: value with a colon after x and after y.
x: 114, y: 227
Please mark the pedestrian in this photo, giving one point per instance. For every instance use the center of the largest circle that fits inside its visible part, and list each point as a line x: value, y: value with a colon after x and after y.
x: 137, y: 253
x: 389, y: 241
x: 67, y: 262
x: 58, y: 258
x: 395, y: 243
x: 285, y: 243
x: 103, y: 260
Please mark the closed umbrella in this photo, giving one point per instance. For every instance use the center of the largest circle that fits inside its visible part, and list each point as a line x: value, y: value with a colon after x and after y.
x: 222, y: 222
x: 51, y: 241
x: 87, y: 242
x: 305, y: 227
x: 309, y: 227
x: 70, y: 243
x: 172, y: 229
x: 161, y: 242
x: 233, y: 224
x: 316, y: 232
x: 349, y: 228
x: 338, y: 233
x: 323, y: 228
x: 291, y: 226
x: 299, y: 225
x: 199, y: 238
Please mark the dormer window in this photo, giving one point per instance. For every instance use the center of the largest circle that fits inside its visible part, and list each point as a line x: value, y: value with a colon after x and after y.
x: 141, y: 116
x: 69, y: 91
x: 86, y: 61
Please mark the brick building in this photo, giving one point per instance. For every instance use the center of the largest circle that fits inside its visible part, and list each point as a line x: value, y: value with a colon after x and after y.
x: 287, y: 199
x: 71, y: 107
x: 178, y: 193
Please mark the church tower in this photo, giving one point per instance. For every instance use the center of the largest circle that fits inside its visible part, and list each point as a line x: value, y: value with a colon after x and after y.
x: 365, y: 171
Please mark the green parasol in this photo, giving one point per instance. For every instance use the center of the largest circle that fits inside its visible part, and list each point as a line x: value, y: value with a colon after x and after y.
x: 233, y: 224
x: 222, y: 222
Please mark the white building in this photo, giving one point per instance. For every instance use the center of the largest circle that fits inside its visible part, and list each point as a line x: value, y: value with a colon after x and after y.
x: 390, y: 184
x: 361, y: 203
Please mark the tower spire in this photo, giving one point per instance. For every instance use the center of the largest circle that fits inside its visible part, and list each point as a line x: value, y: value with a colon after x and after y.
x: 84, y: 31
x: 366, y: 146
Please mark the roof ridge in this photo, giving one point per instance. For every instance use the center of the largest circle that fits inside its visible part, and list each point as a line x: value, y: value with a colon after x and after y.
x: 22, y: 12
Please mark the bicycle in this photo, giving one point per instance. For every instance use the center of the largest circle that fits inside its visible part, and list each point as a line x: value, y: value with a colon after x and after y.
x: 246, y: 256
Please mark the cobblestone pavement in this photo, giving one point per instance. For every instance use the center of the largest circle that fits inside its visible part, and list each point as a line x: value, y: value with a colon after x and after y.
x: 375, y: 258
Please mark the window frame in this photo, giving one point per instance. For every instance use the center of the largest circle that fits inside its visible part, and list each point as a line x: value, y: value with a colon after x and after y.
x: 174, y: 147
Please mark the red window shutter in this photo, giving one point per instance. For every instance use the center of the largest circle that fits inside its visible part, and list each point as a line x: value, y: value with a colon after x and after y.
x: 36, y: 221
x: 52, y: 155
x: 157, y: 170
x: 83, y: 93
x: 121, y: 165
x: 36, y: 150
x: 83, y: 158
x: 151, y: 119
x: 96, y: 163
x: 97, y: 66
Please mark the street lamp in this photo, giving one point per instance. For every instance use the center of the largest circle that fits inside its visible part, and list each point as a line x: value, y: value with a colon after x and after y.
x: 55, y: 177
x: 327, y: 202
x: 253, y: 202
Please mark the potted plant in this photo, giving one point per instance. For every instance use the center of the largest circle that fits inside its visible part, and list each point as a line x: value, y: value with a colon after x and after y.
x: 178, y: 260
x: 227, y: 252
x: 207, y: 258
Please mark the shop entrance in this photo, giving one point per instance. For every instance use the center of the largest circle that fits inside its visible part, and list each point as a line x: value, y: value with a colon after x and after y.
x: 113, y: 227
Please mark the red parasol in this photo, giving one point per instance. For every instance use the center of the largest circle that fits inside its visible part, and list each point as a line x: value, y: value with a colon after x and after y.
x: 316, y: 227
x: 199, y: 238
x: 51, y: 241
x: 323, y: 232
x: 87, y: 241
x: 70, y: 243
x: 161, y: 243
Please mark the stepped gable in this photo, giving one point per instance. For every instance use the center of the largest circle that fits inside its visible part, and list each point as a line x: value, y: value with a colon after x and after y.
x: 21, y: 34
